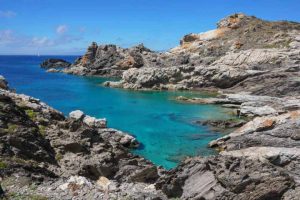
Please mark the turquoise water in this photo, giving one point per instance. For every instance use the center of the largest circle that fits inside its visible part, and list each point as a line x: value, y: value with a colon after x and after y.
x: 165, y: 127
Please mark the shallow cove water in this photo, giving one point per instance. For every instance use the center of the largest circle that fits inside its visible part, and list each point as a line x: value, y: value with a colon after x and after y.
x: 165, y: 127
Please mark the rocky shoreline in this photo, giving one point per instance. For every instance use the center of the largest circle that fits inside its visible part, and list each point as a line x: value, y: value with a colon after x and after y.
x: 45, y: 155
x: 255, y: 66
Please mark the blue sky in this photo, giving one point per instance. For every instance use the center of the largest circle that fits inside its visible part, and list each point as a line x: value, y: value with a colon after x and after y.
x: 68, y: 26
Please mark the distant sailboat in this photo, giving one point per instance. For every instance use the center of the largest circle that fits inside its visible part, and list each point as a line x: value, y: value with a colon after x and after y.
x: 38, y: 54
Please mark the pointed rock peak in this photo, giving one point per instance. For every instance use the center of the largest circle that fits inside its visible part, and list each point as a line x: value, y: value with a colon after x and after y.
x: 94, y: 44
x: 232, y: 21
x: 140, y: 47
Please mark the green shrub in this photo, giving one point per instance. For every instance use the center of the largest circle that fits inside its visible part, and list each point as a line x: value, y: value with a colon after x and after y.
x: 42, y: 130
x: 17, y: 196
x: 37, y: 197
x: 31, y: 114
x: 11, y: 128
x: 58, y: 157
x: 3, y: 165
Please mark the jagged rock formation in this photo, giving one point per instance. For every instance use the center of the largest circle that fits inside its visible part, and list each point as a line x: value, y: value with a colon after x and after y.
x: 110, y: 60
x: 244, y: 53
x: 225, y: 177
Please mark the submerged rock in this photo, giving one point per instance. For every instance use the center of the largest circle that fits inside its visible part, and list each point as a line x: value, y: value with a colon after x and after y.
x: 223, y: 124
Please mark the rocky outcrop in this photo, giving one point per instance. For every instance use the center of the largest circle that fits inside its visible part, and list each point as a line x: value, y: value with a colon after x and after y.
x: 243, y: 54
x: 226, y: 177
x: 55, y: 63
x: 3, y: 83
x: 275, y: 131
x: 111, y: 60
x: 250, y: 105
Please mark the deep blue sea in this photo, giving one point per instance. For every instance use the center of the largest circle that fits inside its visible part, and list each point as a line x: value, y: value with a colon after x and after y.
x: 165, y: 127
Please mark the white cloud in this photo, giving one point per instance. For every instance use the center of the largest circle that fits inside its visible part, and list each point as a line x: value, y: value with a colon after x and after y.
x: 6, y: 36
x: 9, y: 38
x: 61, y: 29
x: 40, y: 42
x: 7, y: 14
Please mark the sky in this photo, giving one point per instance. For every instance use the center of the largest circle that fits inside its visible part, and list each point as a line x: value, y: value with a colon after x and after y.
x: 67, y: 27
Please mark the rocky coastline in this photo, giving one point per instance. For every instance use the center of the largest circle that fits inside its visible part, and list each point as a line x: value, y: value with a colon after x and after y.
x: 255, y: 66
x: 45, y: 155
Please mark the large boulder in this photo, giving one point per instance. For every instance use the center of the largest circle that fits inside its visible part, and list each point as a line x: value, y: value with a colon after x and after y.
x: 3, y: 83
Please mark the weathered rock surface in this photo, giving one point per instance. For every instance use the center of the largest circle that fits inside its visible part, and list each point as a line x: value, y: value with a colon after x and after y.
x: 270, y: 131
x: 226, y: 177
x: 111, y: 60
x: 3, y: 83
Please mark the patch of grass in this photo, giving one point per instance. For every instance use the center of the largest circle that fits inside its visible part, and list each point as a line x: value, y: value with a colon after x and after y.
x: 31, y: 114
x: 58, y: 156
x: 42, y: 130
x: 33, y: 187
x: 37, y: 197
x: 280, y: 44
x: 18, y: 160
x: 11, y: 128
x: 18, y: 196
x: 3, y: 165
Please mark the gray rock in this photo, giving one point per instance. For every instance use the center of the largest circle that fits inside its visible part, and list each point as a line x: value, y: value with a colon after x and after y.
x: 77, y: 115
x: 95, y: 123
x: 3, y: 83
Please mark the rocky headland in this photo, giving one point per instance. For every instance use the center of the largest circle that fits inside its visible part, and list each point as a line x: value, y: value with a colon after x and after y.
x: 244, y: 54
x: 254, y: 65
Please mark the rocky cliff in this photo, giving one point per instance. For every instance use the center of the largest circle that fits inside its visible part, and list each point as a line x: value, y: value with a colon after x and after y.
x: 244, y: 53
